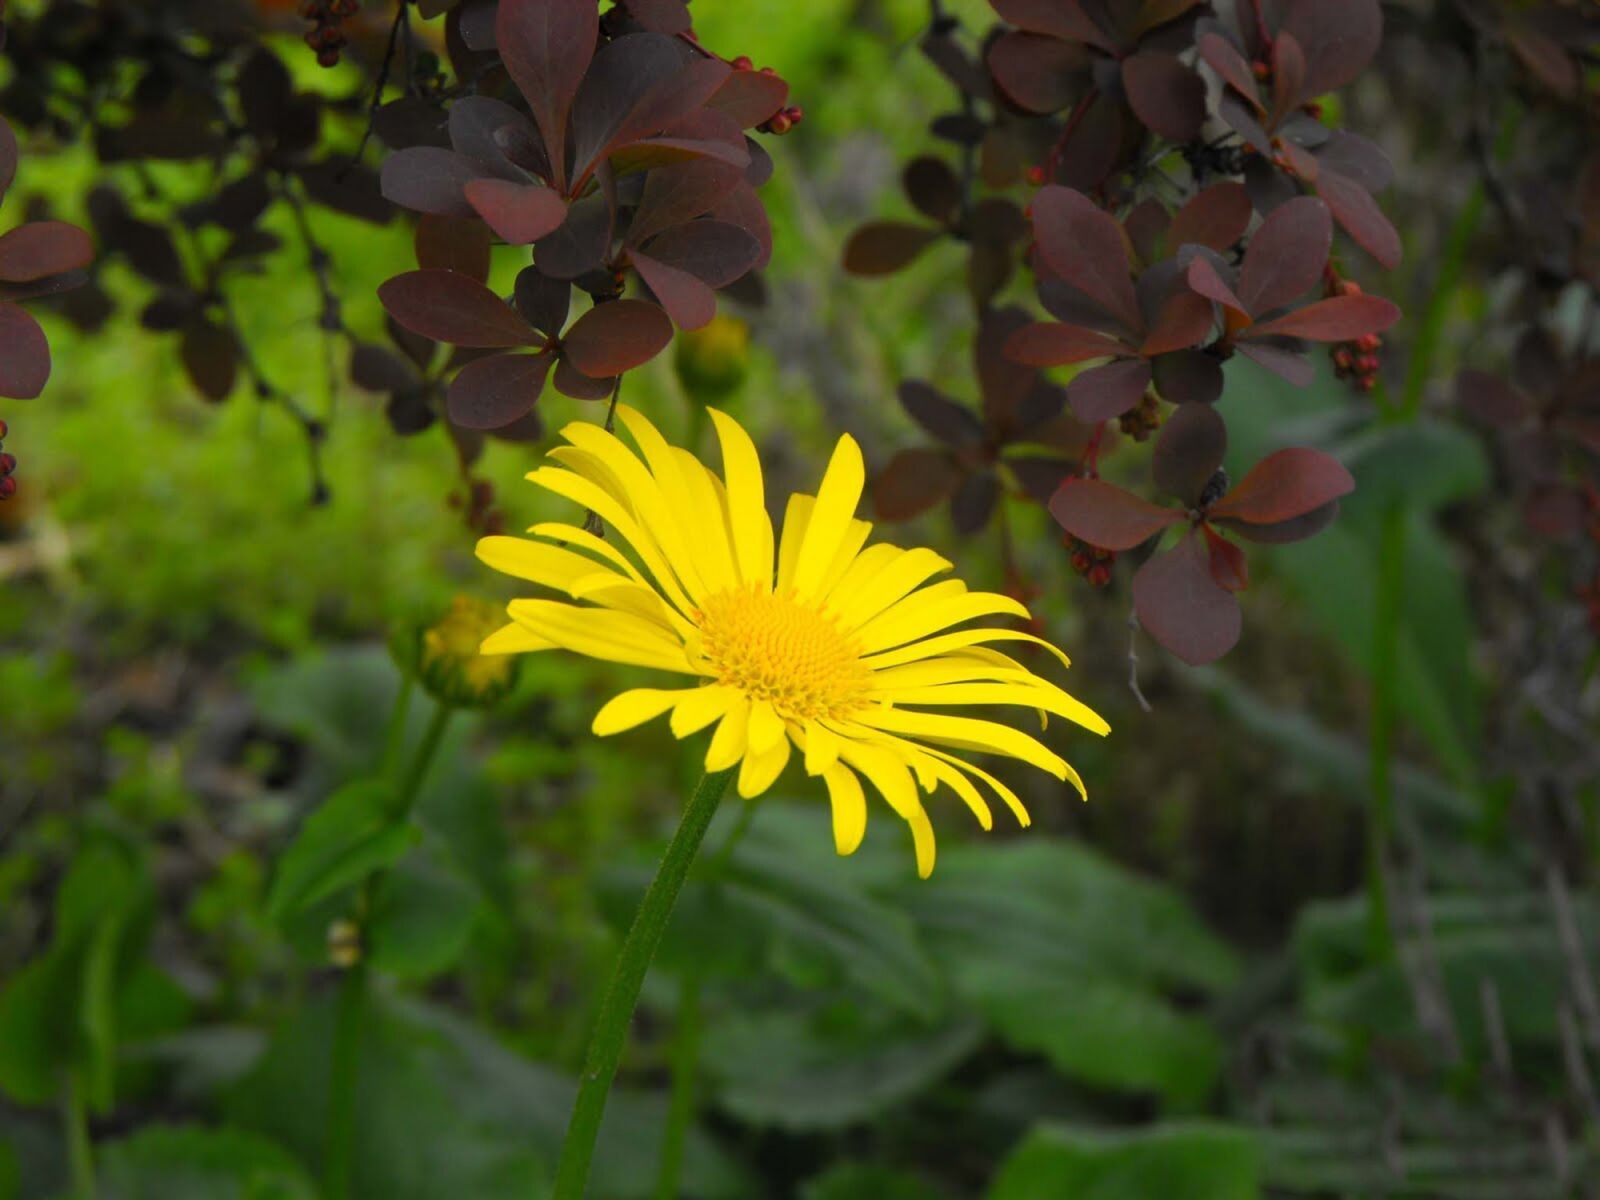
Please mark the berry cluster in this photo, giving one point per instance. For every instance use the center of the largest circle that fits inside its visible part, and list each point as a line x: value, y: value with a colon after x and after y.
x: 326, y: 35
x: 1142, y: 420
x: 8, y: 464
x: 1092, y: 562
x: 1356, y: 360
x: 784, y: 119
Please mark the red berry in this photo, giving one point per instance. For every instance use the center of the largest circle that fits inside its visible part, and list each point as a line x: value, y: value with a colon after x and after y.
x: 1366, y: 383
x: 328, y: 57
x: 1349, y: 287
x: 1341, y: 359
x: 1036, y: 175
x: 4, y: 429
x: 1367, y: 364
x: 8, y: 463
x: 1080, y: 561
x: 1367, y: 343
x: 1260, y: 70
x: 768, y: 71
x: 1099, y: 575
x: 8, y: 488
x: 742, y: 63
x: 780, y: 123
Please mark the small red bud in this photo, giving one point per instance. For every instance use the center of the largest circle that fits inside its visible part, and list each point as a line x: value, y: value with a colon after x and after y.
x: 780, y: 123
x: 742, y: 63
x: 1035, y: 175
x: 1367, y: 364
x: 768, y: 71
x: 1099, y: 575
x: 1080, y: 561
x: 1260, y: 70
x: 1341, y: 359
x: 1366, y: 383
x: 1367, y: 343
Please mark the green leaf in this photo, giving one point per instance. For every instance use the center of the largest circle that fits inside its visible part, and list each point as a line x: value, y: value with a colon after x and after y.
x: 868, y: 1181
x: 351, y: 836
x: 422, y: 918
x: 187, y: 1162
x: 806, y: 1068
x: 1177, y: 1161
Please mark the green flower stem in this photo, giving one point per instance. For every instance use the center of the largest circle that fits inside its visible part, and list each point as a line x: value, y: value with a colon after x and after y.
x: 345, y: 1063
x: 685, y: 1052
x: 80, y: 1151
x: 610, y: 1032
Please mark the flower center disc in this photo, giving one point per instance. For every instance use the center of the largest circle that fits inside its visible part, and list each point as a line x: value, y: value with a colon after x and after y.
x: 775, y: 649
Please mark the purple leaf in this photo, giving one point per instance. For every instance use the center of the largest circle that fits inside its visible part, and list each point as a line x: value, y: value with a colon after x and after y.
x: 1083, y: 245
x: 8, y: 157
x: 1185, y: 320
x: 1338, y: 40
x: 1204, y: 278
x: 714, y: 252
x: 1107, y: 516
x: 1050, y: 345
x: 572, y: 382
x: 1189, y: 451
x: 580, y: 245
x: 519, y: 213
x: 1286, y: 255
x: 1036, y: 73
x: 1226, y: 61
x: 450, y: 307
x: 1101, y: 393
x: 1216, y: 217
x: 427, y: 179
x: 1166, y: 95
x: 43, y: 248
x: 1358, y: 215
x: 547, y: 46
x: 749, y: 98
x: 1296, y: 529
x: 616, y: 337
x: 1336, y: 319
x: 1064, y: 19
x: 952, y: 423
x: 1285, y: 485
x: 1179, y: 604
x: 678, y: 193
x: 492, y: 392
x: 884, y: 247
x: 1187, y: 377
x: 498, y: 138
x: 1281, y: 360
x: 454, y: 244
x: 639, y: 84
x: 24, y: 354
x: 688, y: 301
x: 915, y: 481
x: 378, y: 370
x: 542, y: 300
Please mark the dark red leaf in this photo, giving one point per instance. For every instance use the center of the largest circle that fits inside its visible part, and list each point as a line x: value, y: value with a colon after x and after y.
x: 1295, y: 530
x: 616, y: 337
x: 932, y: 188
x: 1187, y: 377
x: 1229, y: 570
x: 742, y: 207
x: 1216, y: 217
x: 8, y: 157
x: 1039, y: 476
x: 1101, y: 393
x: 547, y: 46
x: 702, y: 134
x: 1357, y: 159
x: 750, y: 98
x: 883, y: 247
x: 1083, y: 245
x: 639, y: 85
x: 974, y: 502
x: 1285, y: 485
x: 1166, y: 95
x: 43, y: 248
x: 1280, y: 360
x: 428, y: 179
x: 1185, y: 321
x: 498, y: 138
x: 1189, y: 451
x: 1064, y: 19
x: 714, y: 252
x: 378, y: 370
x: 1336, y: 319
x: 1338, y: 40
x: 1358, y: 215
x: 572, y: 382
x: 519, y: 213
x: 542, y: 300
x: 660, y: 16
x: 210, y: 355
x: 678, y: 193
x: 1153, y: 14
x: 1179, y: 604
x: 913, y: 482
x: 1205, y: 279
x: 1035, y: 72
x: 1226, y: 61
x: 1286, y: 255
x: 454, y: 244
x: 492, y: 392
x: 1145, y: 226
x: 580, y: 245
x: 1288, y: 77
x: 1004, y: 383
x: 454, y: 308
x: 951, y: 423
x: 688, y: 301
x: 24, y: 354
x: 1105, y: 515
x: 1239, y: 117
x: 1094, y: 148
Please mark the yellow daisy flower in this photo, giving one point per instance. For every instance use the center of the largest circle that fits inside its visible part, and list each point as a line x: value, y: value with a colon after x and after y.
x: 836, y: 653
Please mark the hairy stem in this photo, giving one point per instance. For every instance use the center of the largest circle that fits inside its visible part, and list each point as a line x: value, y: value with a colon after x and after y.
x: 610, y: 1033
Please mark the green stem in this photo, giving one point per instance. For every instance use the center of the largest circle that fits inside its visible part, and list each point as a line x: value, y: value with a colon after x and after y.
x: 397, y: 724
x: 610, y: 1033
x: 686, y: 1038
x: 352, y: 1014
x: 342, y: 1085
x: 80, y: 1151
x: 1380, y: 738
x: 680, y: 1110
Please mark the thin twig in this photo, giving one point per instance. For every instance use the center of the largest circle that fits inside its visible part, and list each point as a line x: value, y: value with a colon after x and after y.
x: 1133, y: 662
x: 377, y: 92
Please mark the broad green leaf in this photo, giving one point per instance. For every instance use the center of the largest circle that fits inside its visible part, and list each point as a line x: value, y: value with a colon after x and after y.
x: 422, y: 917
x: 1177, y: 1161
x: 807, y: 1068
x: 187, y: 1162
x: 868, y: 1181
x: 352, y: 835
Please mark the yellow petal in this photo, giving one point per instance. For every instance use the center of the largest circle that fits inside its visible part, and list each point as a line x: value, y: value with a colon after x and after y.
x: 729, y: 742
x: 766, y: 727
x: 831, y: 516
x: 759, y: 771
x: 855, y: 537
x: 599, y: 633
x: 700, y: 706
x: 610, y: 590
x: 878, y: 578
x: 822, y: 748
x: 747, y: 500
x: 1018, y: 809
x: 709, y: 536
x: 796, y: 516
x: 946, y: 642
x: 962, y: 787
x: 1037, y: 694
x: 548, y: 566
x: 633, y: 708
x: 514, y: 639
x: 575, y: 536
x: 849, y: 805
x: 966, y: 733
x: 921, y: 614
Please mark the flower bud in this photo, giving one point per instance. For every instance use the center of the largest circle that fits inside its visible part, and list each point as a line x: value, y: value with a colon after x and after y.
x: 712, y: 361
x: 444, y: 657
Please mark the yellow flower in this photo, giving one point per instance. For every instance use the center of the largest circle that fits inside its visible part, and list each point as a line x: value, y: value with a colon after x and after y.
x: 835, y: 655
x: 445, y: 656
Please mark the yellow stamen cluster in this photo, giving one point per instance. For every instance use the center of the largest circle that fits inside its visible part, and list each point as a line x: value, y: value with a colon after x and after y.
x: 774, y: 648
